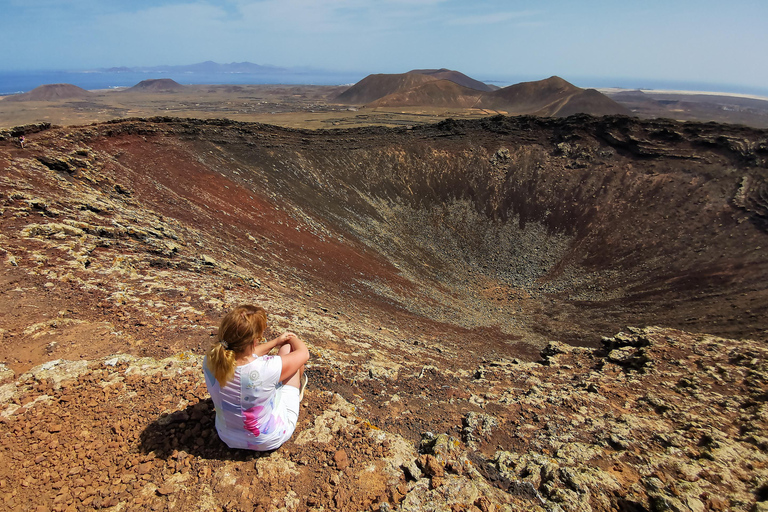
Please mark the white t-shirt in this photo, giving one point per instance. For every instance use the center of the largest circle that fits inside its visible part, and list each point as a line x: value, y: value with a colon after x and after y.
x: 249, y: 411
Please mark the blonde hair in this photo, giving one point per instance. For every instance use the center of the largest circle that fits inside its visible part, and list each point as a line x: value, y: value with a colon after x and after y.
x: 238, y: 329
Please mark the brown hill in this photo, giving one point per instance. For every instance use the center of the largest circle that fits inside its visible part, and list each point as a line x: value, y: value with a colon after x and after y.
x: 635, y: 96
x: 551, y: 97
x: 51, y: 92
x: 592, y: 102
x: 531, y: 97
x: 157, y: 85
x: 440, y: 93
x: 456, y: 77
x: 374, y: 87
x: 377, y: 86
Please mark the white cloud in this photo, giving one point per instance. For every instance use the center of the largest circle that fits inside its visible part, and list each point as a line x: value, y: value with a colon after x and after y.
x: 359, y: 17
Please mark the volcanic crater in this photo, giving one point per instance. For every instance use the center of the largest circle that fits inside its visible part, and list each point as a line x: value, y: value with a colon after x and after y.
x: 526, y: 228
x: 431, y: 269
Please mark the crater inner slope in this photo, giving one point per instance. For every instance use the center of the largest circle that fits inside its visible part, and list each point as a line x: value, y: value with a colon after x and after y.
x: 491, y: 235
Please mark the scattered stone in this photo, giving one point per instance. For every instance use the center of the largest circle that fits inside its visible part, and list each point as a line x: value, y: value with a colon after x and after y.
x: 477, y: 427
x: 341, y: 460
x: 165, y: 490
x: 412, y: 471
x: 5, y: 372
x: 207, y: 260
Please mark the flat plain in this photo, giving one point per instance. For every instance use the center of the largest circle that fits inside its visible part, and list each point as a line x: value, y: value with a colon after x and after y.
x: 290, y: 106
x: 316, y: 107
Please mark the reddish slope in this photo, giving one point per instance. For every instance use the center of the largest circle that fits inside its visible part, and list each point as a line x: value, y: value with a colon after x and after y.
x: 440, y: 93
x: 377, y: 86
x: 51, y: 92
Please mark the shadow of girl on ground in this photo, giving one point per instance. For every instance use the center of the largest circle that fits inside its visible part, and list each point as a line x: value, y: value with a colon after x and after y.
x: 192, y: 431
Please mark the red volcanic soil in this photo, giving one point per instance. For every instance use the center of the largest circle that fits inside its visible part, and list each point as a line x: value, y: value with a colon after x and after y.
x: 456, y: 77
x: 157, y: 85
x: 51, y: 92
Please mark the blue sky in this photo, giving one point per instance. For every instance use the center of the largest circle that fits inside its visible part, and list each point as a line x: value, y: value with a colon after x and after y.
x: 694, y: 41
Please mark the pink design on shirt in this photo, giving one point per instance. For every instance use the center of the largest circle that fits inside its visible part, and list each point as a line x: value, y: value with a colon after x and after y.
x: 249, y: 419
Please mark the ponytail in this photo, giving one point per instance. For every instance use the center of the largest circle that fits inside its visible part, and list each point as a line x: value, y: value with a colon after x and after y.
x: 237, y: 331
x: 222, y: 363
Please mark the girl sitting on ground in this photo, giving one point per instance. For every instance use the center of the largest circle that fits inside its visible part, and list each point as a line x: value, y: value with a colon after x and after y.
x: 256, y: 395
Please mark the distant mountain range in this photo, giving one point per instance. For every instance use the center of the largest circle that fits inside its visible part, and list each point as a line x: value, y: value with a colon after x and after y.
x: 207, y: 67
x: 444, y: 88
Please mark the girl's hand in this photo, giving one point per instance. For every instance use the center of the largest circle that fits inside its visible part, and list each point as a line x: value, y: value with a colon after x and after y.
x: 285, y: 338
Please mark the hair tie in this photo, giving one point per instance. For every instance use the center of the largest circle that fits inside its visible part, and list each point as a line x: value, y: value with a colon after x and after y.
x: 224, y: 344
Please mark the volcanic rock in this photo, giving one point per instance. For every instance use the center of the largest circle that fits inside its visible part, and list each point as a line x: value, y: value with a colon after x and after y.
x: 579, y: 451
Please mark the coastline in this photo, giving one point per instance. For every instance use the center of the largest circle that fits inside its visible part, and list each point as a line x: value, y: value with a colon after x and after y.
x: 615, y: 90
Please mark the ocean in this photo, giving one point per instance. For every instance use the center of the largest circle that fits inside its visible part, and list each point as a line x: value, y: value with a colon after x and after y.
x: 671, y: 85
x: 22, y: 81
